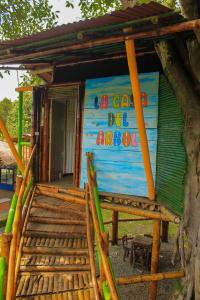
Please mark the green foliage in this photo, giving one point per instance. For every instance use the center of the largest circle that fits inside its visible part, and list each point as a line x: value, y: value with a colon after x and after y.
x: 13, y: 116
x: 29, y: 79
x: 5, y: 107
x: 9, y: 113
x: 23, y: 17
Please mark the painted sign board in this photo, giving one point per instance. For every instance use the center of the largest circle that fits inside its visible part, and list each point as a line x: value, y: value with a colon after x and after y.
x: 110, y: 132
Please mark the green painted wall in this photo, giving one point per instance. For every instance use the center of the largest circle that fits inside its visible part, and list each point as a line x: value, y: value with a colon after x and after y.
x: 171, y: 158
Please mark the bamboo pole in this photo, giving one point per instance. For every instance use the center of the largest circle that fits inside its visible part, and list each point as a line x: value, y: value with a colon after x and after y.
x: 20, y: 123
x: 99, y: 229
x: 138, y: 212
x: 149, y: 277
x: 24, y: 89
x: 184, y: 26
x: 104, y: 258
x: 17, y: 219
x: 155, y: 258
x: 66, y: 198
x: 2, y: 276
x: 90, y: 247
x: 132, y: 63
x: 13, y: 248
x: 45, y: 148
x: 115, y: 227
x: 12, y: 146
x: 5, y: 249
x: 128, y: 220
x: 131, y: 56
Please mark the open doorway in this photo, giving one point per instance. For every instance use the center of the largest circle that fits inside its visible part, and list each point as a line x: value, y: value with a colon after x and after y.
x: 62, y: 139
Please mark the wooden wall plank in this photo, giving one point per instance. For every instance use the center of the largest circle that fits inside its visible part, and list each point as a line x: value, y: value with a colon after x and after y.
x: 110, y: 132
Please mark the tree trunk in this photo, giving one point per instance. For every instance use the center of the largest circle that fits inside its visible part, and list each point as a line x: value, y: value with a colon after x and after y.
x: 188, y: 98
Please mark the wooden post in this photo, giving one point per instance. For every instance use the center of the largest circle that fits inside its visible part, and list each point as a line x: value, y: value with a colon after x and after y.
x: 5, y: 249
x: 14, y: 245
x: 154, y: 258
x: 115, y: 227
x: 45, y: 148
x: 131, y: 56
x: 132, y: 63
x: 165, y: 231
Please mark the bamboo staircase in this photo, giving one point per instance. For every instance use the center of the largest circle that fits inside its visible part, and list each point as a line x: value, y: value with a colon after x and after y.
x: 54, y: 260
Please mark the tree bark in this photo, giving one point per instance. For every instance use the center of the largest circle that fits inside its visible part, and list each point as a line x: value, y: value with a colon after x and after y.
x: 188, y: 98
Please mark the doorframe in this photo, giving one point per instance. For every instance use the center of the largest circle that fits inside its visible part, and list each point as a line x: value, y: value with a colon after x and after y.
x: 78, y: 133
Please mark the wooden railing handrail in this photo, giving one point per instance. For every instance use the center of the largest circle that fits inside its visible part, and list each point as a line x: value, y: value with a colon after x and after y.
x: 16, y: 232
x: 90, y: 247
x: 100, y: 237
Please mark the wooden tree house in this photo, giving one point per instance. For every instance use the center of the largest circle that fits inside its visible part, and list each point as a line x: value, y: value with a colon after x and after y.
x: 106, y: 94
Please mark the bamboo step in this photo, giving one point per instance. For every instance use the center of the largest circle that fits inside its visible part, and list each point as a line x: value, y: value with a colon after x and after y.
x: 52, y: 260
x: 60, y: 235
x: 55, y: 260
x: 86, y: 294
x: 56, y: 228
x: 55, y: 268
x: 47, y: 220
x: 58, y: 208
x: 54, y: 250
x: 80, y: 242
x: 43, y: 283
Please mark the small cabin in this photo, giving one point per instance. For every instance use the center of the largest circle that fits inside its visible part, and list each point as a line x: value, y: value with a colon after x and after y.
x: 87, y: 104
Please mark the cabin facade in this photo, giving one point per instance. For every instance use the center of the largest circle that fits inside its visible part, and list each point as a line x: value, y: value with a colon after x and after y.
x: 87, y: 103
x: 98, y: 116
x: 105, y: 93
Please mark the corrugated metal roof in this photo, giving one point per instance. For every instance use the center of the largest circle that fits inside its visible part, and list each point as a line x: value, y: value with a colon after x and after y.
x: 116, y: 17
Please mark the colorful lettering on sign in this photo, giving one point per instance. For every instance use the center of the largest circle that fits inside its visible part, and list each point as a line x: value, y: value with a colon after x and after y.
x: 104, y: 102
x: 118, y: 119
x: 116, y: 139
x: 119, y: 101
x: 96, y: 104
x: 100, y: 138
x: 109, y: 138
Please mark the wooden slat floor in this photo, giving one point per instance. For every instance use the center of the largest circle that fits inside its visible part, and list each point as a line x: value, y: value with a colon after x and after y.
x: 54, y: 260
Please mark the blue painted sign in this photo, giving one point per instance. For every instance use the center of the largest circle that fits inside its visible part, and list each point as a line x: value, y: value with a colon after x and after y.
x: 110, y: 132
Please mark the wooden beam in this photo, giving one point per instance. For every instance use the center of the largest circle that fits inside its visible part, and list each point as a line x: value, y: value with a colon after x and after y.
x: 139, y: 212
x: 184, y: 26
x: 149, y: 277
x: 24, y: 89
x: 132, y: 63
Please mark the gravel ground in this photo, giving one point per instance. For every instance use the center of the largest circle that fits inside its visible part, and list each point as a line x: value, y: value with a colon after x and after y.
x: 140, y: 291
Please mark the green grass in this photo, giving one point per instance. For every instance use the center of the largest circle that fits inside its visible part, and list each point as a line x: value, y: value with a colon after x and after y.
x: 137, y: 227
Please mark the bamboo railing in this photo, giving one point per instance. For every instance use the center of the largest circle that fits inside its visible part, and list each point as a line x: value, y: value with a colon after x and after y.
x: 16, y: 230
x: 108, y: 287
x: 11, y: 237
